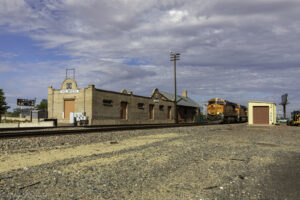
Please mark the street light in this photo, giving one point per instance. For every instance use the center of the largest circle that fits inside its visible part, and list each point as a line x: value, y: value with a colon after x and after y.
x: 173, y: 57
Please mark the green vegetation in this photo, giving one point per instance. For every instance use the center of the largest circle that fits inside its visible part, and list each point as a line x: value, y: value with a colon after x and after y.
x: 15, y: 113
x: 43, y: 105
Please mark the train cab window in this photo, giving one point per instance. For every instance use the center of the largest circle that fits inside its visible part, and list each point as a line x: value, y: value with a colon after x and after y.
x: 211, y: 102
x: 220, y: 102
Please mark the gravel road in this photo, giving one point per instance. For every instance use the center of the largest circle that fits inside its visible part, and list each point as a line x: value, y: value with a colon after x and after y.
x: 233, y: 161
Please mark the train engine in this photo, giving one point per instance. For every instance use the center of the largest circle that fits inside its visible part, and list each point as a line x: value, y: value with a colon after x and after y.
x: 222, y: 111
x: 242, y: 112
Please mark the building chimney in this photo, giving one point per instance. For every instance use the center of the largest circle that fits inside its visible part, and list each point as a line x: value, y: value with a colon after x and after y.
x: 184, y: 93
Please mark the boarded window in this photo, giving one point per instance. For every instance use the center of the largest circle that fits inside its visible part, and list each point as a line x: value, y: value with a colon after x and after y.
x: 169, y: 112
x: 151, y: 111
x: 140, y: 105
x: 123, y: 110
x: 107, y: 102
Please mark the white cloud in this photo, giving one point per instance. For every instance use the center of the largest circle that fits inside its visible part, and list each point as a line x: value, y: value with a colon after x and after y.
x: 7, y: 54
x: 176, y: 16
x: 232, y: 48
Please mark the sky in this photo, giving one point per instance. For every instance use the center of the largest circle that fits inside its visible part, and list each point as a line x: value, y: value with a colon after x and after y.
x: 231, y: 49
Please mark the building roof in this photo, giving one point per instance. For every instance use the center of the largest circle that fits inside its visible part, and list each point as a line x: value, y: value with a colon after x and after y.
x: 250, y: 101
x: 181, y: 101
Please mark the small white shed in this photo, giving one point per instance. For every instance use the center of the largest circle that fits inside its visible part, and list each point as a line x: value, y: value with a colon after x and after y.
x: 261, y: 113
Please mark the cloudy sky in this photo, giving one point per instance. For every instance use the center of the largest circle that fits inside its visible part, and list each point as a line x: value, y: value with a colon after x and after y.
x: 233, y: 49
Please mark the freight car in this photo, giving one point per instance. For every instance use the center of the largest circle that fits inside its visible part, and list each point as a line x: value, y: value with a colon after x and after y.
x: 223, y: 111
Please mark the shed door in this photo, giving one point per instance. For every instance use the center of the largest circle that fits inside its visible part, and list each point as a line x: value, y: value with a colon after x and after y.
x: 69, y: 107
x: 261, y: 114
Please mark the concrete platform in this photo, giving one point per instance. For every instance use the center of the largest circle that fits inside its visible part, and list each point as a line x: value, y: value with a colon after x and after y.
x: 27, y: 124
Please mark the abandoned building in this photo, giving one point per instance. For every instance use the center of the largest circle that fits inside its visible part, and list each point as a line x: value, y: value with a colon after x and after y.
x: 187, y: 109
x: 102, y: 107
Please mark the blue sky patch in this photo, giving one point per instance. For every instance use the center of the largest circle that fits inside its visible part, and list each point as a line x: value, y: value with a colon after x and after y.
x: 20, y: 48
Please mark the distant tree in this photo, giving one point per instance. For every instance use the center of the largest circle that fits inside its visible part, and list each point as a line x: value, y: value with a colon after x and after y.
x: 16, y: 112
x: 3, y: 104
x: 43, y: 105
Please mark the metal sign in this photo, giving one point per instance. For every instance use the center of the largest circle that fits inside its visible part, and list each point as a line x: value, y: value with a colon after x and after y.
x: 26, y: 102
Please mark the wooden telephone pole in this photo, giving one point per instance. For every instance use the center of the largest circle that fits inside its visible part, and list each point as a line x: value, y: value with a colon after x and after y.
x: 174, y: 57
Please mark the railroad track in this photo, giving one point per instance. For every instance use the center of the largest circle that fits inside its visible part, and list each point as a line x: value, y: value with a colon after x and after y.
x: 29, y: 132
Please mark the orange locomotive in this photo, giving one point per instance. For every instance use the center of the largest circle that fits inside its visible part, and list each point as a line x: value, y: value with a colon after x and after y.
x: 222, y: 111
x: 242, y: 112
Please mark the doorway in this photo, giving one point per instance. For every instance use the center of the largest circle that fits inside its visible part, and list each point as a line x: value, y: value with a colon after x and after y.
x: 123, y: 110
x: 151, y: 111
x: 69, y: 106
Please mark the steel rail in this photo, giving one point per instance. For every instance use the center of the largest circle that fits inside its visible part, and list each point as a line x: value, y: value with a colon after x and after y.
x: 86, y: 129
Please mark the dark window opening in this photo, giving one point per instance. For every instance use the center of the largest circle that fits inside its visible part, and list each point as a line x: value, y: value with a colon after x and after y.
x: 161, y: 108
x: 107, y: 102
x: 185, y: 111
x: 140, y: 105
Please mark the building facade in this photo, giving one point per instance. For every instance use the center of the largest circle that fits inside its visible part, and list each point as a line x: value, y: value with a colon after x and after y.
x: 261, y: 113
x: 187, y: 109
x: 101, y: 107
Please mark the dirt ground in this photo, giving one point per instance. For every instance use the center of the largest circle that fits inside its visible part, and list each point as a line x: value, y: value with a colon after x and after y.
x: 206, y: 162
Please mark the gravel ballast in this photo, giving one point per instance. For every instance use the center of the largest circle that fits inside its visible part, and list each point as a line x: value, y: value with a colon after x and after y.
x: 233, y: 161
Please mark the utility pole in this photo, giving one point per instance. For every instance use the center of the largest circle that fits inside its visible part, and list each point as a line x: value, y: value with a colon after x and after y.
x: 173, y: 57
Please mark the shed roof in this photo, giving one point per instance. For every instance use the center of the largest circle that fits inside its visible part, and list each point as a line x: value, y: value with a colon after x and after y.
x: 181, y: 101
x: 261, y: 102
